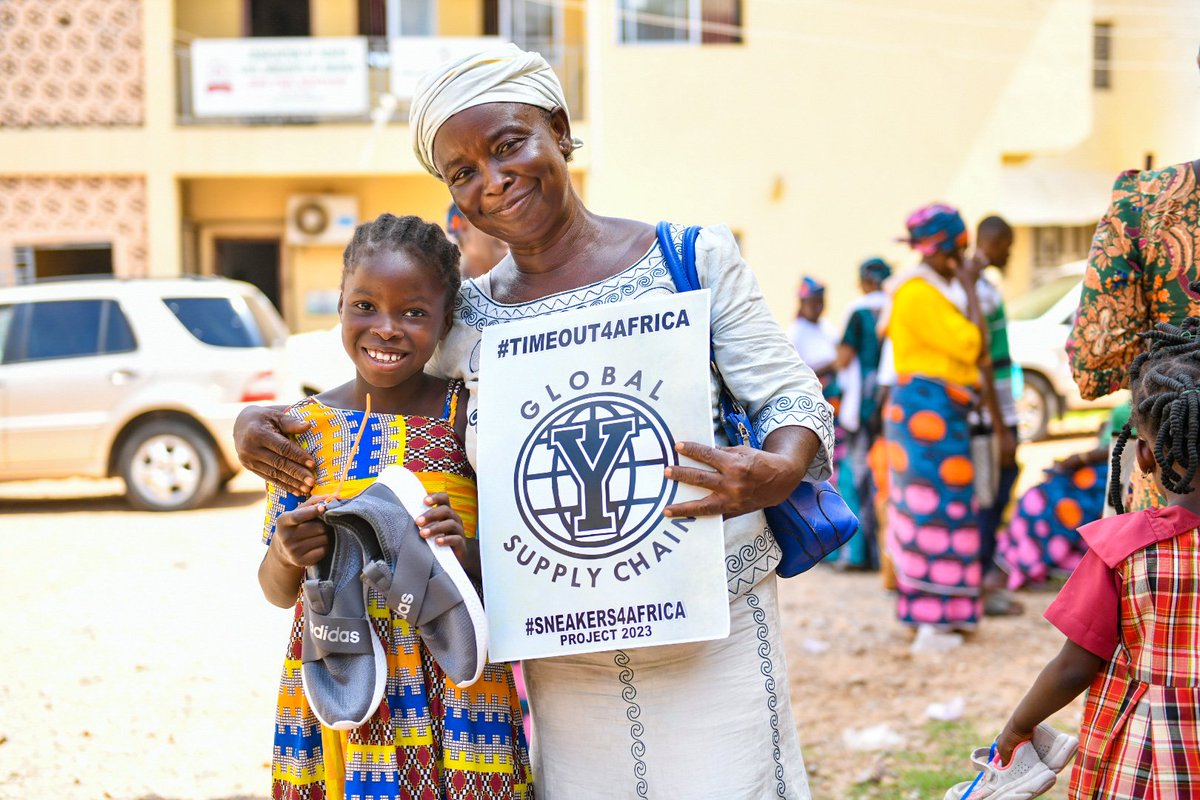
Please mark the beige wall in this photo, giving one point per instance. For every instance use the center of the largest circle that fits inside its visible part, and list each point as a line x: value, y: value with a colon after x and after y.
x: 1152, y: 109
x: 1154, y: 103
x: 256, y: 207
x: 460, y: 18
x: 71, y: 63
x: 214, y: 19
x: 813, y: 139
x: 223, y: 18
x: 239, y: 206
x: 832, y: 121
x: 45, y: 211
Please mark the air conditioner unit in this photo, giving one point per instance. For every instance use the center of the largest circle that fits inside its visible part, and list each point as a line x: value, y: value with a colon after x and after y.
x: 321, y: 219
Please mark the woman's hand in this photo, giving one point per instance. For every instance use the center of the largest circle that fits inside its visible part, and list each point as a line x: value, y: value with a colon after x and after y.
x: 260, y: 435
x: 743, y: 479
x: 443, y: 524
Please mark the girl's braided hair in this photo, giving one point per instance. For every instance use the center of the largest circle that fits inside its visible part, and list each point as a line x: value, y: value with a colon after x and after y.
x: 389, y: 233
x: 1165, y: 384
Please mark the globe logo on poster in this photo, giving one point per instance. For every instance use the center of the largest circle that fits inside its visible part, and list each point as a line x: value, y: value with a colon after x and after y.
x: 589, y: 478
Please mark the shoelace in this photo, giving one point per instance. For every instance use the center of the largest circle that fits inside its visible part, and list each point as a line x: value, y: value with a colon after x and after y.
x: 979, y: 777
x: 353, y: 450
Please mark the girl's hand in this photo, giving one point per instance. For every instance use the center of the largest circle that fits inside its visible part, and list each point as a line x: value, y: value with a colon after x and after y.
x: 442, y: 524
x: 301, y: 537
x: 742, y: 479
x: 1008, y: 741
x: 260, y: 435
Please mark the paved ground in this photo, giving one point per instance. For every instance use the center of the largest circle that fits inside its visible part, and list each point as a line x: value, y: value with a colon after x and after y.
x: 139, y: 659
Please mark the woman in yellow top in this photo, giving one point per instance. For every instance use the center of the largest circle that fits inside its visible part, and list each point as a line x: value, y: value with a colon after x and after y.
x: 936, y: 344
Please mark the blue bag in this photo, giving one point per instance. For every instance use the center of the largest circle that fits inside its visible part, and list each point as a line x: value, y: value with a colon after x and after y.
x: 815, y: 520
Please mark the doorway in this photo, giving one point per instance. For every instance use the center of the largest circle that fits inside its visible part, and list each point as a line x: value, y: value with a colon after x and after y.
x: 255, y: 261
x: 277, y: 18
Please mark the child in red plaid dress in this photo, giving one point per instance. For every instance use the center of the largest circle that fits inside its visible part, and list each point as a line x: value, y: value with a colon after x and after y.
x: 1131, y: 610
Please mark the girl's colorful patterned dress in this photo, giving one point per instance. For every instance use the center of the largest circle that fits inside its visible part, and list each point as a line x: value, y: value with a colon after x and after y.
x: 1134, y: 599
x: 429, y: 739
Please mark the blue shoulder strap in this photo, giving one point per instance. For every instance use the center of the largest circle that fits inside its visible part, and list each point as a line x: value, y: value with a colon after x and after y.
x: 683, y: 272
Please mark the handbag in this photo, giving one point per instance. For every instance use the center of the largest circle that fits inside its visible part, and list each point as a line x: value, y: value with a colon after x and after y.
x: 814, y: 520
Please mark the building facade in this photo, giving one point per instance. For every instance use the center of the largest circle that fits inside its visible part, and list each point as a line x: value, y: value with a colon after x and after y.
x: 246, y: 137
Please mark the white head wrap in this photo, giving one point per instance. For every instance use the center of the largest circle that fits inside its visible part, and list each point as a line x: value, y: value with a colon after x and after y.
x: 501, y: 74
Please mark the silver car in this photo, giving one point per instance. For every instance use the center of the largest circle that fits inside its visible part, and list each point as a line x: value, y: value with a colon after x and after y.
x: 140, y: 379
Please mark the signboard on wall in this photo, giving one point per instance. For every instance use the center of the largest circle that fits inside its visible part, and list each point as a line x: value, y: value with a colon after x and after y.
x: 579, y: 421
x: 412, y: 56
x: 280, y: 76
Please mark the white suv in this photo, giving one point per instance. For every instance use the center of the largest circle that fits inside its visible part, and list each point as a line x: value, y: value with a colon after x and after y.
x: 136, y: 378
x: 1039, y: 323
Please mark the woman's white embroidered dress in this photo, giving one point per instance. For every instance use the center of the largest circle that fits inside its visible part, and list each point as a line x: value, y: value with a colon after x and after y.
x: 705, y: 720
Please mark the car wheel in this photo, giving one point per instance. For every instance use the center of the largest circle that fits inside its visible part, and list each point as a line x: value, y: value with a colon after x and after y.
x: 1035, y: 408
x: 168, y: 466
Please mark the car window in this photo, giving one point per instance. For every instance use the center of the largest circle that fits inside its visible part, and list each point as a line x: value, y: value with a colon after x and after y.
x: 218, y: 321
x: 6, y: 315
x: 66, y: 329
x: 274, y: 330
x: 117, y: 336
x: 1039, y: 300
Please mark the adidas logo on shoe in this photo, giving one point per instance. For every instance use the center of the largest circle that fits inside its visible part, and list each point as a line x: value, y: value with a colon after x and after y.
x: 404, y: 607
x: 327, y: 633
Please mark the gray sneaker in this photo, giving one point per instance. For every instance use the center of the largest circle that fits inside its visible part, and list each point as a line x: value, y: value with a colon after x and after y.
x: 344, y: 665
x: 423, y: 582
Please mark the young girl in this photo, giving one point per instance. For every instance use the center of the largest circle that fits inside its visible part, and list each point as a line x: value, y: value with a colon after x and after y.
x: 1131, y: 609
x: 428, y: 738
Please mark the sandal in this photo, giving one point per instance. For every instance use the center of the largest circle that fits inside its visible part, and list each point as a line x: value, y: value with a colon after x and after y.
x: 999, y: 603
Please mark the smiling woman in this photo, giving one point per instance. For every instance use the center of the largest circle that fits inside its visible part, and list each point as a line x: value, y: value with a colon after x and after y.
x: 494, y: 127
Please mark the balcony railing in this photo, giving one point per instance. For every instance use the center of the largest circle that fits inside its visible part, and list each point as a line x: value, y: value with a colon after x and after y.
x: 567, y: 61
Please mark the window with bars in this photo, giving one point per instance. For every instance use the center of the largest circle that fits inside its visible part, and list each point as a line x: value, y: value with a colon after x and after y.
x: 680, y: 21
x: 1102, y: 43
x: 1055, y: 245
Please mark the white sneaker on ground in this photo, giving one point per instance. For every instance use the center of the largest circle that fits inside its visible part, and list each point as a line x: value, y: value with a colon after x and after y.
x: 1024, y: 777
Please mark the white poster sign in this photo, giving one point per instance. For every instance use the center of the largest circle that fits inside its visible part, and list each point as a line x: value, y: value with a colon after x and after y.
x: 578, y: 421
x: 413, y: 56
x: 275, y: 76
